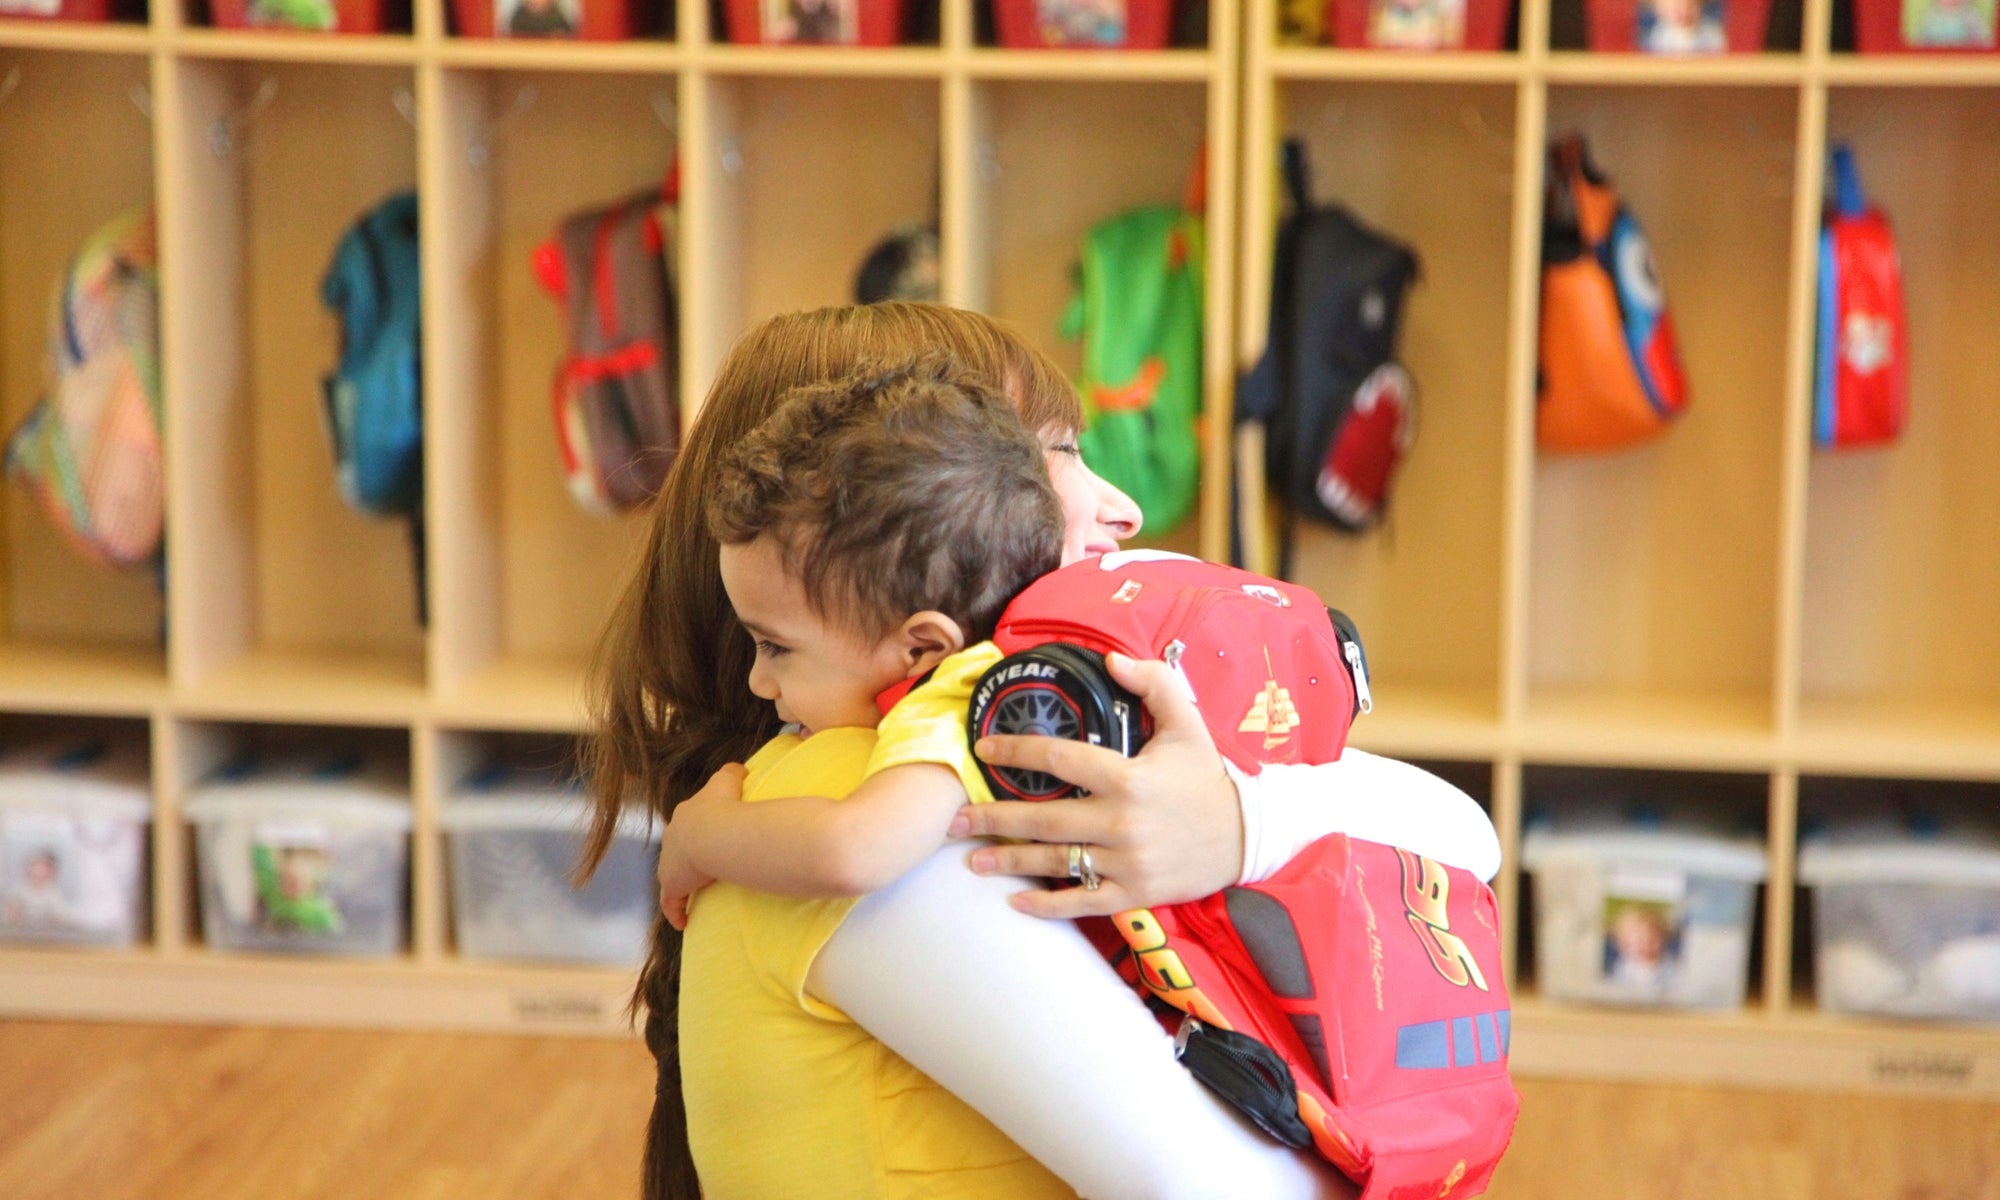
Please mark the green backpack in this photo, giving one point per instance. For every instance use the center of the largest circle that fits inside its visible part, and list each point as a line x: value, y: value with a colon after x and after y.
x: 1139, y: 312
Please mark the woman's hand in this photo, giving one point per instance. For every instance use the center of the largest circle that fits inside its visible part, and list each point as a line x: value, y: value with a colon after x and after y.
x: 1159, y: 828
x: 678, y: 877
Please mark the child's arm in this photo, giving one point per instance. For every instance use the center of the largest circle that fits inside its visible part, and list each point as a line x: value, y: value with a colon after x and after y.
x: 810, y: 845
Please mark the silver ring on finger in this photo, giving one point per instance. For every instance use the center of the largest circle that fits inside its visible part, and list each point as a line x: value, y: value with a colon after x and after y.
x: 1089, y: 875
x: 1075, y: 864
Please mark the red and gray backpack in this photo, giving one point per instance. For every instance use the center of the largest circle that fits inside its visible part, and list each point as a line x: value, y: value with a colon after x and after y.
x: 1352, y: 1003
x: 617, y: 401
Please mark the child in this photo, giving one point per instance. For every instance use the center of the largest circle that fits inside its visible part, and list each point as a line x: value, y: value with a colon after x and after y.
x: 847, y: 559
x: 851, y: 584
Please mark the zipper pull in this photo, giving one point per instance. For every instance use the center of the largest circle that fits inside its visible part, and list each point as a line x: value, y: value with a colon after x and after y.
x: 1172, y: 655
x: 1359, y: 669
x: 1357, y: 659
x: 1185, y: 1034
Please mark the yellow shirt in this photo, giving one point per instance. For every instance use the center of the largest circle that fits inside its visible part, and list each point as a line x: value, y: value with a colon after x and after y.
x: 786, y: 1096
x: 928, y: 725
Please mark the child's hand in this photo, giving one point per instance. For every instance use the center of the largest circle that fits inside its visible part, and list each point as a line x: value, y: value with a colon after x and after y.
x: 679, y: 877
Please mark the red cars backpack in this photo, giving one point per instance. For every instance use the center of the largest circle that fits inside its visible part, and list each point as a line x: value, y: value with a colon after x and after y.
x: 1353, y: 1002
x: 1862, y: 382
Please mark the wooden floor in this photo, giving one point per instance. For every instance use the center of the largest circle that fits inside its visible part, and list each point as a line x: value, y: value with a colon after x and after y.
x: 105, y: 1112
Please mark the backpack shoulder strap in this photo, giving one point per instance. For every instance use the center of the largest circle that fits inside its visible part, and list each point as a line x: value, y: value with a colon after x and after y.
x: 1298, y: 177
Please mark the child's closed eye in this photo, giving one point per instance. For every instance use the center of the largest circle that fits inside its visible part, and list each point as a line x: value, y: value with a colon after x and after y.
x: 770, y: 649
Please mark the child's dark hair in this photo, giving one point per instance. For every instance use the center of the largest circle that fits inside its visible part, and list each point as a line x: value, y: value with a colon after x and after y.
x: 900, y: 488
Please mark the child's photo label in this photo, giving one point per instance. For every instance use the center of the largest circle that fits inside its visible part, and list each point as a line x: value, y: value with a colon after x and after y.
x: 1681, y: 27
x: 537, y: 18
x: 1081, y: 22
x: 295, y: 14
x: 1939, y: 24
x: 38, y: 879
x: 812, y: 22
x: 1417, y: 24
x: 291, y: 861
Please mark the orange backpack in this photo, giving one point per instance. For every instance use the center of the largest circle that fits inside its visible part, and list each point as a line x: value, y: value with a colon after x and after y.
x: 1610, y: 370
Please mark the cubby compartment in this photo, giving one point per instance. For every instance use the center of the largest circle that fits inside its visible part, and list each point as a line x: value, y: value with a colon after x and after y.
x: 68, y: 626
x: 1430, y: 165
x: 298, y: 837
x: 1642, y: 888
x: 1653, y: 573
x: 283, y: 597
x: 803, y: 177
x: 1051, y: 160
x: 1898, y: 910
x: 1900, y: 659
x: 75, y: 832
x: 526, y: 576
x: 513, y: 818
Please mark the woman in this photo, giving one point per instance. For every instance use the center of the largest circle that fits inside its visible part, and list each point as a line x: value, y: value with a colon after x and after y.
x: 673, y: 708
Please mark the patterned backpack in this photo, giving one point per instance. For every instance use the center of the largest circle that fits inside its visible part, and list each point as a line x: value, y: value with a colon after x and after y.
x: 90, y: 451
x: 617, y: 400
x: 1138, y: 310
x: 374, y: 396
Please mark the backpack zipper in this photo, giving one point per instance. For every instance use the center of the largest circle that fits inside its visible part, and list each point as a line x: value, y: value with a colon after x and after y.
x: 1357, y: 659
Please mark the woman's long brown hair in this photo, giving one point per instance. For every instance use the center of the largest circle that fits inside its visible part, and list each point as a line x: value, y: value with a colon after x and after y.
x: 669, y: 684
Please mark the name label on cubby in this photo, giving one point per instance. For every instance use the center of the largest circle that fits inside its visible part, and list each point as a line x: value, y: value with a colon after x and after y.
x: 1923, y: 1068
x: 559, y: 1008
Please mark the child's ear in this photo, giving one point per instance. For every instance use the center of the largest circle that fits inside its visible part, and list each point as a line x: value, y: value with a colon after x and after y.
x: 927, y: 639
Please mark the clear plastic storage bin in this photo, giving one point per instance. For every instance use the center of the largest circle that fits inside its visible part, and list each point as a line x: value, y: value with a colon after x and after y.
x: 304, y: 856
x: 1643, y: 915
x: 73, y: 823
x: 1906, y: 919
x: 513, y: 837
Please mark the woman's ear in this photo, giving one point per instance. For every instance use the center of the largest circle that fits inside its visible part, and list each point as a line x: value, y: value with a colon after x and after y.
x: 927, y: 639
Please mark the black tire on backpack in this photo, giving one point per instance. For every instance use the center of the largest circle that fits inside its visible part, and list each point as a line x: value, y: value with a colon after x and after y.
x: 1054, y: 690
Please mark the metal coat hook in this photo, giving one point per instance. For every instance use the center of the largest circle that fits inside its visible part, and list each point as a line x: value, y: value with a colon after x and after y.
x: 405, y: 101
x: 922, y: 120
x: 666, y: 110
x: 1499, y: 174
x: 1778, y: 179
x: 225, y: 133
x: 730, y: 154
x: 987, y: 159
x: 11, y: 84
x: 141, y: 97
x: 479, y: 147
x: 1863, y: 129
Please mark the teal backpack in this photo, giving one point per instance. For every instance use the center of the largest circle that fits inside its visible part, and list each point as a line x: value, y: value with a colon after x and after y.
x: 1139, y: 312
x: 374, y: 396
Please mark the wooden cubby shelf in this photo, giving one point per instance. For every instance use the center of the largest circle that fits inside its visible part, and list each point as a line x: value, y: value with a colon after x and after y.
x: 1724, y: 604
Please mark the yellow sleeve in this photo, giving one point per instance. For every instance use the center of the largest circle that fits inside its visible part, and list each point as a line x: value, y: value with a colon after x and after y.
x: 928, y: 725
x: 785, y: 934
